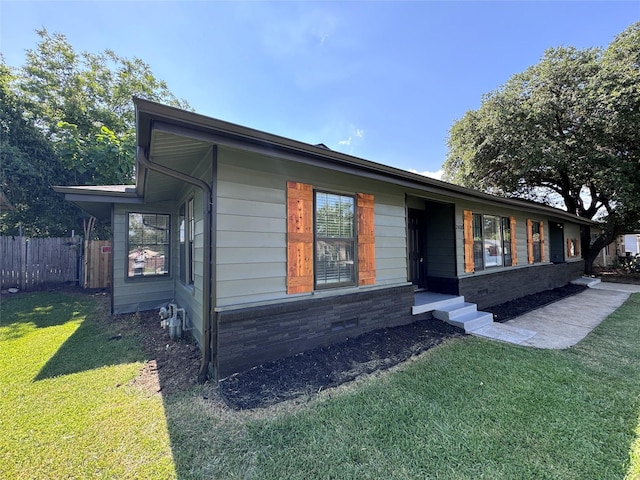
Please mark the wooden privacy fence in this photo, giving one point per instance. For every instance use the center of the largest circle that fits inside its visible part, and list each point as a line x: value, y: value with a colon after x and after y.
x: 98, y: 264
x: 35, y: 263
x: 38, y: 263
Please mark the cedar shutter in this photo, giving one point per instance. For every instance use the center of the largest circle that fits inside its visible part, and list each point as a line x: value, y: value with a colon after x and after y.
x: 467, y: 221
x: 577, y: 249
x: 366, y: 240
x: 514, y: 250
x: 569, y: 243
x: 299, y: 238
x: 529, y: 240
x: 542, y: 258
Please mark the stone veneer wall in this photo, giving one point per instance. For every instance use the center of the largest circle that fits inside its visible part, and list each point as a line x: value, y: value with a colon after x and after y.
x: 251, y: 336
x: 487, y: 290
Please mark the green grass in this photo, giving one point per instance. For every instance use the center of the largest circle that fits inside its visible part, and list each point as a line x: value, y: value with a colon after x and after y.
x: 65, y: 408
x: 469, y: 408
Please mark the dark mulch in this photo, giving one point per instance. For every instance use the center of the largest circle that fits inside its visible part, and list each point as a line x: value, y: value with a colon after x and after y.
x: 173, y: 366
x: 514, y: 308
x: 314, y: 370
x: 309, y: 372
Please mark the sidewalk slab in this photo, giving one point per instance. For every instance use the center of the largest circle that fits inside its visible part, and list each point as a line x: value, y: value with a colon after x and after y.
x: 504, y: 332
x: 565, y: 322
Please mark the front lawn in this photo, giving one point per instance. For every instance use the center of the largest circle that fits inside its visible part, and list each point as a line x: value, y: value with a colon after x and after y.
x: 66, y: 410
x: 469, y: 408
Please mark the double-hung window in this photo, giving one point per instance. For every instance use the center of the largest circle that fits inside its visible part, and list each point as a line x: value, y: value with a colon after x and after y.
x: 491, y: 241
x: 335, y: 240
x: 148, y: 238
x: 536, y: 242
x: 507, y: 241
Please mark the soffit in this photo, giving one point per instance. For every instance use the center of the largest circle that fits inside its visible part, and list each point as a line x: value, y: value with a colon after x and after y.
x: 178, y: 153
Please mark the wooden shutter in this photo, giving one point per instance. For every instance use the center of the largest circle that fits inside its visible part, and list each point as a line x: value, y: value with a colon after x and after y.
x: 542, y: 257
x: 299, y: 238
x: 514, y: 250
x: 366, y: 240
x: 530, y: 240
x: 569, y: 244
x: 467, y: 221
x: 577, y: 247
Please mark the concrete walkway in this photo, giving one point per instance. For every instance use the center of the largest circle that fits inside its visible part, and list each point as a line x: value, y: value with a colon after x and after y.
x: 565, y: 322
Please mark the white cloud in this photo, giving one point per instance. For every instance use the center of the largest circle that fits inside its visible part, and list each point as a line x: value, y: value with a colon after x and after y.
x: 345, y: 142
x: 359, y: 133
x: 437, y: 175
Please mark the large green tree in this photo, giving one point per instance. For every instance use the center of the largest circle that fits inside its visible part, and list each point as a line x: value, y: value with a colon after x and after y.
x: 28, y: 162
x: 564, y: 132
x: 80, y: 103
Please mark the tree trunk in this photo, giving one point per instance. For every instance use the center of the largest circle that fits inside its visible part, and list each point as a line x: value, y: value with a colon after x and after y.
x: 590, y: 251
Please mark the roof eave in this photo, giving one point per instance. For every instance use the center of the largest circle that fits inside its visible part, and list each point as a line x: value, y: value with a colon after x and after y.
x: 148, y: 112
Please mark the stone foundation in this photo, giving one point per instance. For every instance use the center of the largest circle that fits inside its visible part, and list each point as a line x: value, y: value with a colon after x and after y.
x: 252, y: 336
x: 490, y: 289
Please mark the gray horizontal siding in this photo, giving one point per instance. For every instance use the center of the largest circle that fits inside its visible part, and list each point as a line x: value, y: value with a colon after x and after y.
x: 250, y: 270
x: 251, y: 255
x: 253, y: 240
x: 391, y: 242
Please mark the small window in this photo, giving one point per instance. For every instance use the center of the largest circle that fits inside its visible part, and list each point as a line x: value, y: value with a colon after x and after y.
x: 182, y: 241
x: 335, y: 251
x: 148, y: 241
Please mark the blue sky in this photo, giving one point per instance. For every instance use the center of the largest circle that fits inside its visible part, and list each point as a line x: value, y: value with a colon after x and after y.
x: 382, y: 81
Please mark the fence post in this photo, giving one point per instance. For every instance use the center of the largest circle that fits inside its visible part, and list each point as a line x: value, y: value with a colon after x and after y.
x: 23, y: 262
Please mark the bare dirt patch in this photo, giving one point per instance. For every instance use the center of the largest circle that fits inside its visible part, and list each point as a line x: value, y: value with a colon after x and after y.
x: 617, y: 275
x: 172, y: 365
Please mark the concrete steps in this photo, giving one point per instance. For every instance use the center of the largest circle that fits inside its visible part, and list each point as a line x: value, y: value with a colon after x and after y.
x: 464, y: 315
x: 435, y: 302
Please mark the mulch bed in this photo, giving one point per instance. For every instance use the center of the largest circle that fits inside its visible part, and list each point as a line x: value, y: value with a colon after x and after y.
x: 309, y: 372
x: 303, y: 375
x: 514, y: 308
x: 324, y: 367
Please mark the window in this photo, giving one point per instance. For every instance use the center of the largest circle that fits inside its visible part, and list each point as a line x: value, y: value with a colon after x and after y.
x: 535, y: 242
x: 335, y: 245
x: 478, y: 256
x: 491, y: 241
x: 573, y: 247
x: 148, y: 245
x: 507, y: 241
x: 182, y: 238
x: 321, y: 251
x: 187, y: 235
